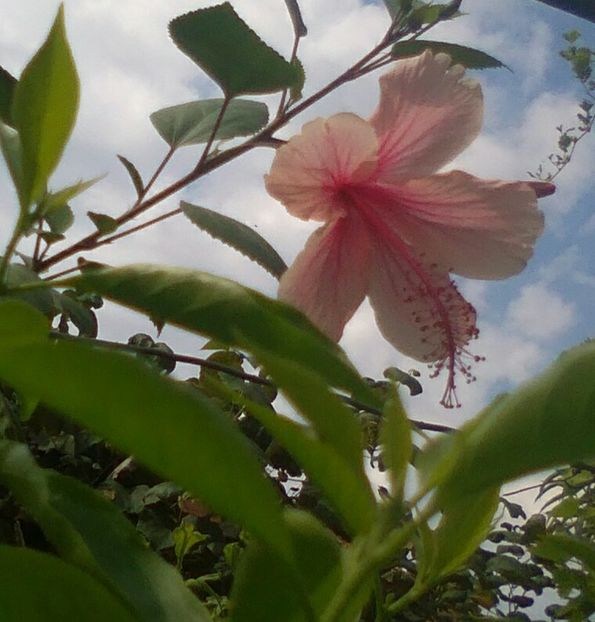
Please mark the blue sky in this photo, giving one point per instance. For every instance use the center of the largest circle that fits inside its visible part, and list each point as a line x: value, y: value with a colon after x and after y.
x: 129, y: 69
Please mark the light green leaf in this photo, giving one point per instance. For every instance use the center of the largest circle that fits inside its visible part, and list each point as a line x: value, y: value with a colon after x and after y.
x: 562, y: 547
x: 185, y: 538
x: 266, y: 589
x: 224, y: 310
x: 7, y: 86
x: 10, y: 144
x: 167, y: 425
x: 55, y: 200
x: 463, y: 527
x: 237, y: 235
x: 343, y: 483
x: 103, y: 222
x: 134, y: 175
x: 233, y: 55
x: 395, y: 438
x: 546, y: 422
x: 460, y: 54
x: 37, y: 587
x: 60, y: 219
x: 44, y: 109
x: 90, y: 532
x: 21, y: 323
x: 42, y: 299
x: 193, y: 123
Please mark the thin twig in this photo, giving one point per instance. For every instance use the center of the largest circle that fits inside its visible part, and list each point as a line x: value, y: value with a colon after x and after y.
x: 63, y: 273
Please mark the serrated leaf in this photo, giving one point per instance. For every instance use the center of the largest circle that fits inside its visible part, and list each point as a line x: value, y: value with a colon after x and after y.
x: 7, y: 86
x: 103, y: 222
x: 544, y: 423
x: 295, y: 92
x: 135, y: 177
x: 193, y: 123
x: 44, y: 109
x: 232, y: 54
x: 38, y: 587
x: 91, y: 533
x: 168, y: 426
x: 266, y: 589
x: 60, y: 219
x: 237, y: 235
x: 460, y: 54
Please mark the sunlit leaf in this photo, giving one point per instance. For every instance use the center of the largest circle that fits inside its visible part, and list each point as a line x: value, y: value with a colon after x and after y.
x: 90, y: 532
x: 237, y: 235
x: 44, y: 109
x: 224, y: 310
x: 193, y: 123
x: 38, y: 587
x: 460, y: 54
x: 225, y: 47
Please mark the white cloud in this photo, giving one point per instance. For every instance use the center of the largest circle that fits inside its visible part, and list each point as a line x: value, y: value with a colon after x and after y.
x: 541, y: 313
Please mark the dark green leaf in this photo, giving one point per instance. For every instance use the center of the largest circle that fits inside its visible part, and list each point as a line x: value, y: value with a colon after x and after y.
x: 468, y: 57
x: 266, y: 589
x: 135, y: 177
x: 295, y: 92
x: 80, y: 315
x: 37, y: 587
x: 546, y: 422
x: 225, y: 47
x: 44, y: 109
x: 395, y: 6
x: 7, y: 87
x: 60, y: 219
x: 224, y: 310
x: 299, y: 28
x: 41, y: 298
x: 167, y: 425
x: 90, y: 532
x: 580, y: 8
x: 103, y: 222
x: 193, y: 123
x: 237, y: 235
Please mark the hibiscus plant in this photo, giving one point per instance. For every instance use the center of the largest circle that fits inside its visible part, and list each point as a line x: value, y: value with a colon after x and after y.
x: 115, y: 475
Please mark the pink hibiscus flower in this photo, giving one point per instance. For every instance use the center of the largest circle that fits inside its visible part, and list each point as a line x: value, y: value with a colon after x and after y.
x: 394, y: 228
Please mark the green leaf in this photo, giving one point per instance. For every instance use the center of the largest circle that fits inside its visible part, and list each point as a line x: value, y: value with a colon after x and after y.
x: 193, y: 123
x: 7, y: 86
x: 80, y: 315
x: 460, y: 54
x: 395, y: 6
x: 580, y: 8
x: 546, y: 422
x: 342, y: 482
x: 37, y: 587
x: 185, y: 538
x: 233, y: 55
x: 135, y: 176
x: 55, y: 200
x: 237, y: 235
x: 90, y: 532
x: 10, y: 144
x: 21, y: 323
x: 103, y: 222
x: 167, y: 425
x: 397, y: 447
x: 44, y: 109
x: 463, y: 527
x: 562, y: 547
x: 266, y: 589
x: 224, y: 310
x: 60, y: 219
x: 42, y: 299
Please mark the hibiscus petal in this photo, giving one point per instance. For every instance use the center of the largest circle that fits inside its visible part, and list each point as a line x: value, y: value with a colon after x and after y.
x: 476, y: 228
x: 426, y: 116
x: 329, y: 279
x: 327, y: 154
x: 420, y: 311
